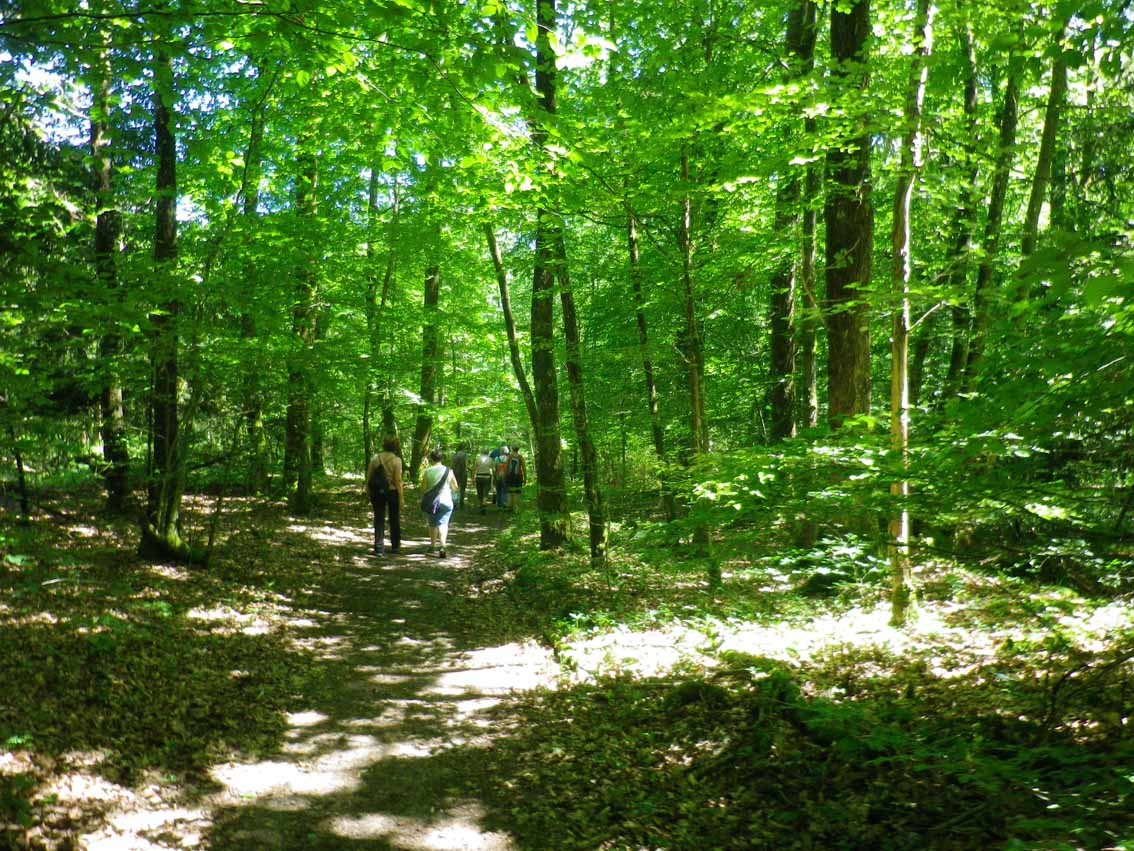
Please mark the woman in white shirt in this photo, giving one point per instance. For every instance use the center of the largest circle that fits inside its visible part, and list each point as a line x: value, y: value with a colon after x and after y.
x: 438, y: 519
x: 483, y: 472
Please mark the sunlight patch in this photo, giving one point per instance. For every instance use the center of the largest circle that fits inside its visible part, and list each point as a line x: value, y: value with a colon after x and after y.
x: 458, y: 831
x: 499, y: 670
x: 169, y: 571
x: 326, y: 534
x: 306, y: 719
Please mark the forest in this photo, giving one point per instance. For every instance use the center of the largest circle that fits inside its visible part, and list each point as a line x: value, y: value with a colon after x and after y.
x: 815, y: 324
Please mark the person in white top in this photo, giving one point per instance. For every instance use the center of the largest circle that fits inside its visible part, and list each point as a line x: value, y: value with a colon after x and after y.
x: 482, y: 471
x: 438, y: 518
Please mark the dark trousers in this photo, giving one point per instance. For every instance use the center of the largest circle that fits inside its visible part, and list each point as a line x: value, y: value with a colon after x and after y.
x: 390, y: 501
x: 483, y: 485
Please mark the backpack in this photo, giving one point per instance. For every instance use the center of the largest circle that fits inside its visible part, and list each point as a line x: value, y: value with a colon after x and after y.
x: 378, y: 485
x: 513, y: 477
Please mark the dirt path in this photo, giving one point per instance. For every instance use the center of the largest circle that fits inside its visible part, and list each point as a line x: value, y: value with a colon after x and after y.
x: 388, y: 756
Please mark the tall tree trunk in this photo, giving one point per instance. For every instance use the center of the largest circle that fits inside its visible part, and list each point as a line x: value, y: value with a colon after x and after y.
x: 901, y: 572
x: 430, y: 352
x: 690, y: 343
x: 318, y: 446
x: 990, y: 244
x: 1057, y: 96
x: 849, y: 219
x: 297, y: 448
x: 808, y: 360
x: 963, y: 222
x: 921, y: 344
x: 161, y: 531
x: 370, y: 373
x: 376, y: 372
x: 108, y: 227
x: 800, y: 48
x: 596, y: 514
x: 551, y: 493
x: 510, y: 327
x: 691, y: 348
x: 781, y: 312
x: 253, y: 392
x: 656, y: 430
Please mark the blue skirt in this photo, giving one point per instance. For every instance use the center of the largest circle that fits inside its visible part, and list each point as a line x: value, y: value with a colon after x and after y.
x: 441, y: 518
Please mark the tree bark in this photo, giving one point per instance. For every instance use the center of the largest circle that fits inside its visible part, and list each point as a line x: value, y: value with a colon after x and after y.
x: 596, y: 514
x: 161, y: 529
x: 962, y: 231
x: 297, y: 449
x: 510, y: 327
x: 812, y: 318
x: 430, y: 351
x: 656, y: 431
x: 690, y: 344
x: 849, y: 219
x: 982, y: 297
x: 253, y: 392
x: 800, y: 46
x: 1057, y: 96
x: 691, y: 348
x: 901, y: 572
x: 108, y: 228
x: 552, y: 496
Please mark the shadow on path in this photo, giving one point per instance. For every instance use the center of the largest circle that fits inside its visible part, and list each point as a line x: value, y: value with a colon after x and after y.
x: 390, y: 755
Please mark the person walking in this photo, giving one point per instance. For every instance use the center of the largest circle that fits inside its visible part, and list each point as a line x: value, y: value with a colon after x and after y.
x: 461, y: 472
x: 438, y: 476
x: 482, y: 476
x: 514, y: 478
x: 384, y: 485
x: 501, y: 471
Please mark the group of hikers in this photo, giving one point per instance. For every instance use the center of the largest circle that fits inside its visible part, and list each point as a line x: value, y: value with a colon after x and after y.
x: 498, y: 476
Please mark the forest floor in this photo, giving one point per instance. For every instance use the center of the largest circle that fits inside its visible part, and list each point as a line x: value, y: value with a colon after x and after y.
x: 300, y: 693
x: 385, y: 709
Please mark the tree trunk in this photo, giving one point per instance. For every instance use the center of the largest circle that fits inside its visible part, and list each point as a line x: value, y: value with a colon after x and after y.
x: 1056, y: 98
x: 593, y: 493
x: 781, y: 312
x: 800, y: 48
x: 371, y: 309
x: 656, y: 430
x: 108, y: 227
x: 297, y: 449
x: 253, y: 392
x: 161, y: 531
x: 962, y: 230
x: 510, y: 327
x: 375, y: 313
x: 849, y: 219
x: 812, y: 317
x: 691, y: 349
x: 430, y: 351
x: 552, y: 496
x: 982, y: 297
x: 901, y: 572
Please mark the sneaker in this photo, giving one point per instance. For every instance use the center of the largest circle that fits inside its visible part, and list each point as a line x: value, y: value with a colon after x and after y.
x: 442, y: 552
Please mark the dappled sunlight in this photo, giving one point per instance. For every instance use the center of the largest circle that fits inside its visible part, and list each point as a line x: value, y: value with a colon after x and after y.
x: 499, y: 670
x: 306, y: 719
x: 457, y: 831
x: 645, y: 653
x: 328, y: 533
x: 169, y: 571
